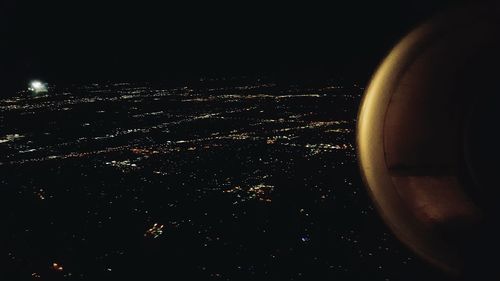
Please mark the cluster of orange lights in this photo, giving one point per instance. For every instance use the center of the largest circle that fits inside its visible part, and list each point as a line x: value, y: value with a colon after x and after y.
x: 143, y: 151
x: 154, y: 231
x: 57, y: 267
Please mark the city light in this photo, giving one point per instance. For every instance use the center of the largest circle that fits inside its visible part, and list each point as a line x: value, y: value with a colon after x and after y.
x: 217, y: 171
x: 37, y: 87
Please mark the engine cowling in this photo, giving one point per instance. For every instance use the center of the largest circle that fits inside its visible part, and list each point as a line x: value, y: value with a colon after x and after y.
x: 428, y: 144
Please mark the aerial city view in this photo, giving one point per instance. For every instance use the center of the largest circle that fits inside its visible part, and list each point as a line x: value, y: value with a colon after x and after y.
x: 231, y: 179
x: 248, y: 141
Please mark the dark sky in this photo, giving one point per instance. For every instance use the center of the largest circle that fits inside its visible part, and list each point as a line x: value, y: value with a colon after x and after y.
x: 75, y: 41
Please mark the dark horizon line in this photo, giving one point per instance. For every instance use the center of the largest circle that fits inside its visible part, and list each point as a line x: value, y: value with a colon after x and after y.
x: 17, y: 85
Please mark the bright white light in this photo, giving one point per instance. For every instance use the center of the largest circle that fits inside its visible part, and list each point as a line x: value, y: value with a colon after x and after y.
x: 37, y: 87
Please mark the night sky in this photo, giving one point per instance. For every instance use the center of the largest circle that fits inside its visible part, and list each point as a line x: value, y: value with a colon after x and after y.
x: 77, y: 41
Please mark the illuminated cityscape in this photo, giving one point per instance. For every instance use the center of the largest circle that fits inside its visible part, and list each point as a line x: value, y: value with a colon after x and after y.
x: 251, y: 181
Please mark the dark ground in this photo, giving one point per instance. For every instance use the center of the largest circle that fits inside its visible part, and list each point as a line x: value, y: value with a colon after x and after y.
x: 251, y: 180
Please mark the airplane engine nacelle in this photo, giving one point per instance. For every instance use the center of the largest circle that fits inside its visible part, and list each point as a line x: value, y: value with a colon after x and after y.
x: 429, y: 139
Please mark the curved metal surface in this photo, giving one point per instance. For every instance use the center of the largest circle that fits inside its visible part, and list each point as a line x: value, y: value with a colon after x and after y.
x: 411, y: 145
